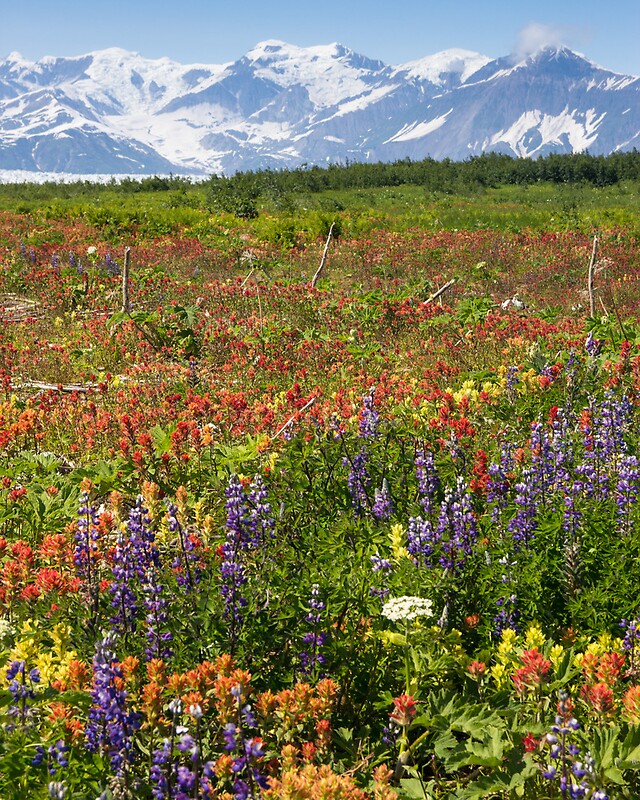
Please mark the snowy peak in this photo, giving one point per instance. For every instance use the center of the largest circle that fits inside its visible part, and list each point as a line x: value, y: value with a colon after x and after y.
x: 449, y: 67
x: 329, y: 73
x: 280, y: 105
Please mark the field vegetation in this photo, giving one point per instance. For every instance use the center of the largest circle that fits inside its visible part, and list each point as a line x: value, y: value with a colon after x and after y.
x: 366, y: 533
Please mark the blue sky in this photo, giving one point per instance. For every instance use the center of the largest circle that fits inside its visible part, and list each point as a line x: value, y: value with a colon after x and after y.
x: 209, y: 31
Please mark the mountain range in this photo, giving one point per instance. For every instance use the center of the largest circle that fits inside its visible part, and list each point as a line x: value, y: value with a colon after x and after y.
x: 116, y: 112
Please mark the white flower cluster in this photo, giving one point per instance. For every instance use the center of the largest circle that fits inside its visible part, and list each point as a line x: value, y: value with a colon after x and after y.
x: 407, y: 608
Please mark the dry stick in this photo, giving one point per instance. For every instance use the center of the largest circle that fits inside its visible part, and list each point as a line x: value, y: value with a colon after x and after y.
x: 592, y: 263
x: 439, y: 292
x: 604, y: 308
x: 56, y: 387
x: 314, y: 280
x: 291, y: 418
x: 253, y: 269
x: 126, y: 305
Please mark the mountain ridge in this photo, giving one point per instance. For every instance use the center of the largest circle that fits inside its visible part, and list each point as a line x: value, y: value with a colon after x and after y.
x: 281, y: 105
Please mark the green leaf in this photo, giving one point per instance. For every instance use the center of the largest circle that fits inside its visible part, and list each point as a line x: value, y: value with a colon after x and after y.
x: 161, y: 439
x: 115, y: 320
x: 629, y: 751
x: 444, y: 744
x: 615, y: 776
x: 416, y: 789
x: 605, y: 746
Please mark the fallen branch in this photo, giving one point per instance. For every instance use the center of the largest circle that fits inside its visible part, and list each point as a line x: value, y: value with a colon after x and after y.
x: 14, y: 308
x: 292, y: 417
x: 82, y: 388
x: 437, y: 294
x: 314, y: 280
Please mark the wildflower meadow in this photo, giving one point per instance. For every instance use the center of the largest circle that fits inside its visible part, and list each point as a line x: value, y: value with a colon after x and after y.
x: 274, y: 533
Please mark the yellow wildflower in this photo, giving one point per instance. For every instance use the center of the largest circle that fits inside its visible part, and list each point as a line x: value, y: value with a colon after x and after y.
x: 507, y: 646
x: 556, y: 653
x: 397, y: 538
x: 534, y: 637
x: 45, y: 662
x: 500, y: 675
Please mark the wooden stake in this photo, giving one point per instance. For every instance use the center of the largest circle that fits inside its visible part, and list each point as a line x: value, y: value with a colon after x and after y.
x: 314, y: 280
x: 126, y: 305
x: 592, y: 263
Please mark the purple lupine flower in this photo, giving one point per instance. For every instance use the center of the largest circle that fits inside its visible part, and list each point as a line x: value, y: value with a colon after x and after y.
x: 498, y: 483
x: 22, y: 685
x: 611, y: 422
x: 369, y: 418
x: 512, y: 380
x: 156, y: 617
x: 548, y: 372
x: 390, y: 735
x: 186, y: 563
x: 55, y: 756
x: 384, y: 568
x: 312, y: 657
x: 23, y: 250
x: 247, y: 751
x: 457, y: 527
x: 566, y: 753
x: 507, y: 616
x: 111, y: 266
x: 522, y: 525
x: 382, y: 507
x: 592, y: 471
x: 127, y: 569
x: 422, y: 541
x: 542, y: 465
x: 86, y: 551
x: 358, y: 482
x: 55, y: 263
x: 163, y: 765
x: 160, y: 771
x: 630, y: 643
x: 562, y: 448
x: 260, y: 520
x: 572, y: 516
x: 110, y: 723
x: 632, y: 632
x: 627, y: 488
x: 428, y: 480
x: 238, y: 519
x: 592, y: 345
x: 239, y: 535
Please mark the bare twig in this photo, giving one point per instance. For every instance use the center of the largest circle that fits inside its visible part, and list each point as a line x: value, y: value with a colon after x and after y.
x: 253, y: 269
x: 293, y: 416
x: 439, y: 292
x: 592, y: 263
x: 314, y: 280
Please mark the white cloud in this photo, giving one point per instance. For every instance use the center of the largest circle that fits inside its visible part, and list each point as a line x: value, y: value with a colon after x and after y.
x: 537, y: 35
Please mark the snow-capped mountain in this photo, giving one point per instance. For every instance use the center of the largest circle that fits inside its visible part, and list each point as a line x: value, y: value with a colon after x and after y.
x: 279, y: 105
